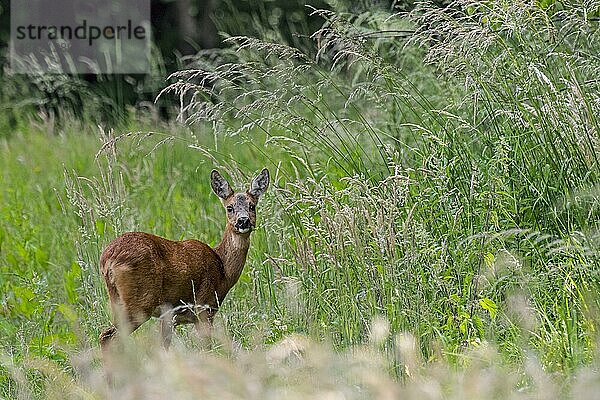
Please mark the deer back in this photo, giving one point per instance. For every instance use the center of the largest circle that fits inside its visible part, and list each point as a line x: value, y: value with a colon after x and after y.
x: 145, y: 271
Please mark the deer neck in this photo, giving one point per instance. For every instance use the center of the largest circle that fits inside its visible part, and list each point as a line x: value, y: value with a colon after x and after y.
x: 232, y: 251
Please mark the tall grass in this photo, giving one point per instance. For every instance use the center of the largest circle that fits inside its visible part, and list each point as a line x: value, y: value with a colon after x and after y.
x: 481, y: 169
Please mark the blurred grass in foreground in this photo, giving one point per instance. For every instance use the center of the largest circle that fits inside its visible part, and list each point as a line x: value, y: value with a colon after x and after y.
x: 296, y: 367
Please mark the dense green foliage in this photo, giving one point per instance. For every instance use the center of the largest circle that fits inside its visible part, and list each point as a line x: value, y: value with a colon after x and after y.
x: 438, y: 170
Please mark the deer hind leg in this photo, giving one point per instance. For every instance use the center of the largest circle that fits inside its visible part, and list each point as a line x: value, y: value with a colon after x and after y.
x: 130, y: 303
x: 107, y: 336
x: 106, y: 339
x: 130, y: 325
x: 124, y: 321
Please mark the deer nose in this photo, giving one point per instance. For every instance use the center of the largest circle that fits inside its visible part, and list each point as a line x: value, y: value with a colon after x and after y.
x: 242, y: 223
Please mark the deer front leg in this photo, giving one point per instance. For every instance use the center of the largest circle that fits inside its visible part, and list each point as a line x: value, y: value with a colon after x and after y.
x: 167, y: 320
x: 203, y: 325
x: 166, y: 332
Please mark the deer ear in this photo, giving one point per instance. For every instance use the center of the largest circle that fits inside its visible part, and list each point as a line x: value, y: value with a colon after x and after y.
x: 259, y: 184
x: 219, y: 185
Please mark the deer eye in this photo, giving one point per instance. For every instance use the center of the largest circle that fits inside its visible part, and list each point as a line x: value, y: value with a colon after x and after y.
x: 252, y: 207
x: 230, y: 208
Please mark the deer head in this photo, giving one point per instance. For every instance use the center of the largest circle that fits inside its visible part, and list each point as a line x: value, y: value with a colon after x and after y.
x: 240, y: 207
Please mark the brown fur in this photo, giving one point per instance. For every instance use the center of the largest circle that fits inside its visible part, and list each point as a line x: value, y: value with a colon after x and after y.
x: 147, y: 275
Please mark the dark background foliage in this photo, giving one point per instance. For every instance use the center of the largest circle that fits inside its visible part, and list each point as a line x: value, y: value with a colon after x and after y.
x: 181, y: 28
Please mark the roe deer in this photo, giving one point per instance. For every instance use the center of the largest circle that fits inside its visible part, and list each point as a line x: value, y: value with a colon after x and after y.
x: 181, y: 282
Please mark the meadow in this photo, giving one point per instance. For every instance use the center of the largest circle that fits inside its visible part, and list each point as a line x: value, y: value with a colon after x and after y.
x: 431, y: 230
